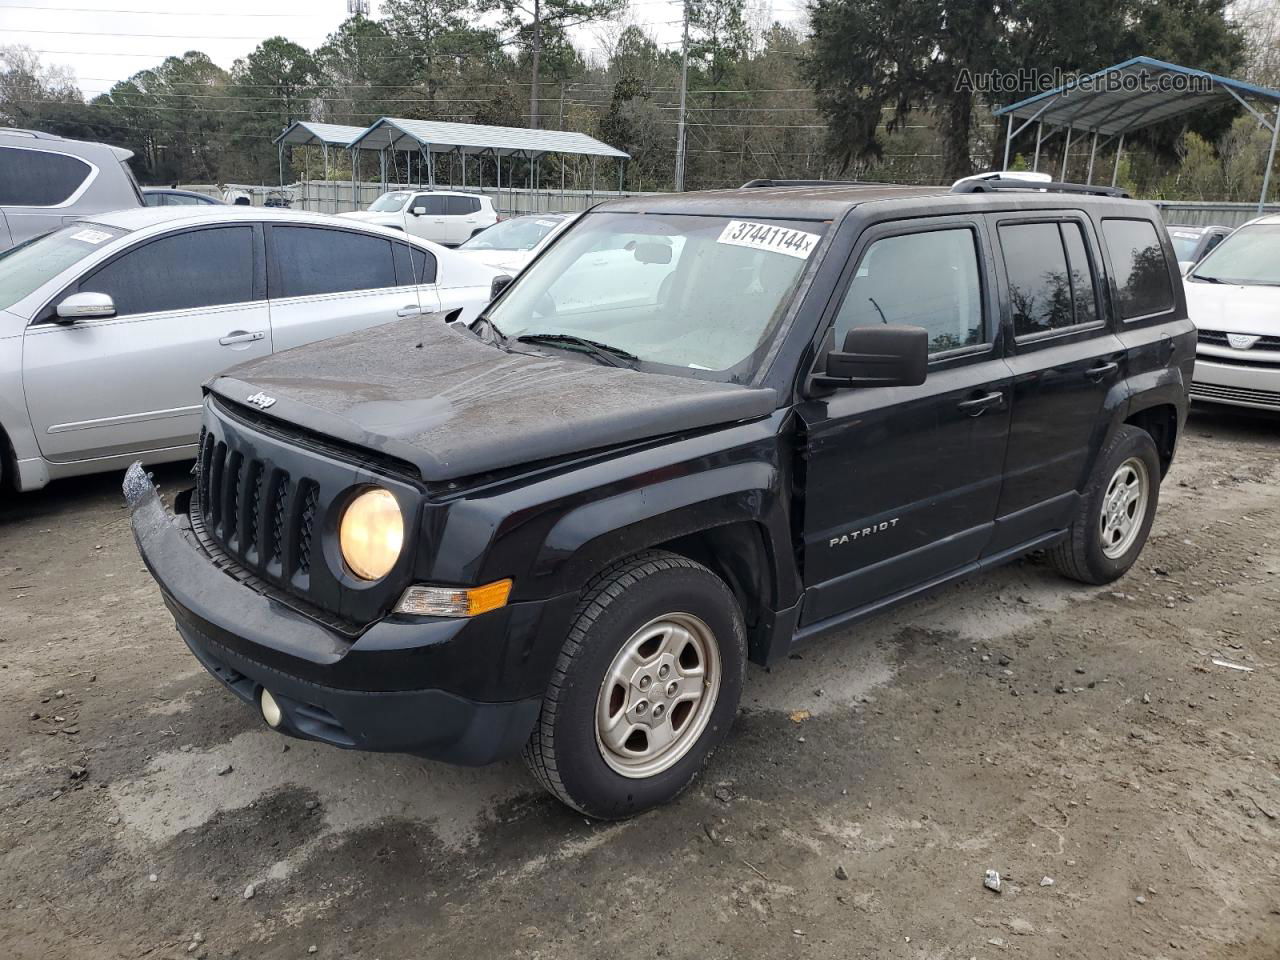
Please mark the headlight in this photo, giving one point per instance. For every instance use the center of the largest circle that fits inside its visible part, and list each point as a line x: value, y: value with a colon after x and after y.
x: 371, y: 534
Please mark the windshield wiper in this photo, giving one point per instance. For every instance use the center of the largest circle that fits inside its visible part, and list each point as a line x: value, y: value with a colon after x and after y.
x: 1198, y: 276
x: 613, y: 356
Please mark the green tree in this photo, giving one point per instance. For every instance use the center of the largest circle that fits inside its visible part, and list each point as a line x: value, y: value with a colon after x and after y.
x: 38, y: 96
x: 273, y: 86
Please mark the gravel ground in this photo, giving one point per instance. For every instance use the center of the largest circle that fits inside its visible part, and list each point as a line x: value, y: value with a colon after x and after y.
x: 1013, y: 722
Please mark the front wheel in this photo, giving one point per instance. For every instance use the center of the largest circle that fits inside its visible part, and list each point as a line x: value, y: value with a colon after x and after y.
x: 645, y: 688
x: 1116, y: 511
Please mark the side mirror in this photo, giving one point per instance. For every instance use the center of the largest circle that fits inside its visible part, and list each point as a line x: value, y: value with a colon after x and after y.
x: 85, y: 306
x: 418, y: 211
x: 884, y: 356
x: 500, y: 283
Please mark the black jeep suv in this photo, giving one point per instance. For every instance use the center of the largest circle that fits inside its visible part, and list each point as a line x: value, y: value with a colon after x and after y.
x: 697, y: 430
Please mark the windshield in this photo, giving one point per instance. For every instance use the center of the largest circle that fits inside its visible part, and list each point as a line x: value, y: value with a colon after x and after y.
x: 521, y: 233
x: 1184, y: 244
x: 27, y: 266
x: 1250, y: 256
x: 390, y: 202
x: 683, y: 292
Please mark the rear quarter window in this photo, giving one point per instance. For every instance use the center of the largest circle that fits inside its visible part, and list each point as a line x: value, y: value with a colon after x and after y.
x: 39, y: 178
x: 1139, y: 266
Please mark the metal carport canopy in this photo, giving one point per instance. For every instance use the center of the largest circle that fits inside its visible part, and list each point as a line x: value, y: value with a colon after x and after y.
x: 1134, y: 94
x: 474, y: 138
x: 305, y: 133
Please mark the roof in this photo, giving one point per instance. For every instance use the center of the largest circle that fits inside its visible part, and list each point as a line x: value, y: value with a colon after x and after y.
x: 473, y: 138
x: 84, y: 146
x: 307, y: 133
x: 1115, y: 100
x: 817, y: 202
x: 140, y: 218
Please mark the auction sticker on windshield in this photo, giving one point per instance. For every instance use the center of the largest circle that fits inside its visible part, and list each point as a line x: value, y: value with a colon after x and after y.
x: 764, y: 236
x: 91, y: 236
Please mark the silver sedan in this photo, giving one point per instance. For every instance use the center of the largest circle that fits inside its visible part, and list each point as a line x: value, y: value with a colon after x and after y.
x: 109, y: 327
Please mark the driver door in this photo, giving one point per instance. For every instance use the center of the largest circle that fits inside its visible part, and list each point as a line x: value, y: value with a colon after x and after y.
x: 902, y: 482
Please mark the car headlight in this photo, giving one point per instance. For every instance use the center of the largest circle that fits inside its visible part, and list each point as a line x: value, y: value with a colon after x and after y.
x: 371, y: 534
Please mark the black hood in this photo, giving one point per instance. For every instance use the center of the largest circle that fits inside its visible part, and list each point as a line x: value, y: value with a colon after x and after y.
x: 435, y: 395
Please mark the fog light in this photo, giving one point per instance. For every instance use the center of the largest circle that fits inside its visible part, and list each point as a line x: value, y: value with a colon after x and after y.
x: 424, y: 601
x: 271, y: 711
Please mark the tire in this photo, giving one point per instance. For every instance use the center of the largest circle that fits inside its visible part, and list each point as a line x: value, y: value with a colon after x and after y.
x: 1096, y: 551
x: 676, y: 617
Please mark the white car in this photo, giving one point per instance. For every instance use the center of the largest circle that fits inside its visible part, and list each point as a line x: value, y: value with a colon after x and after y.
x: 1233, y: 297
x: 511, y: 244
x: 109, y: 327
x: 442, y: 216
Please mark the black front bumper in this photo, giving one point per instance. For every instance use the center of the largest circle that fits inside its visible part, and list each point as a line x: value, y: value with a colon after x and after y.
x: 404, y: 685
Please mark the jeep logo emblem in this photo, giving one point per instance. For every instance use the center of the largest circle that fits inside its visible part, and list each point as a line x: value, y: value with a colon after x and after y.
x: 261, y: 400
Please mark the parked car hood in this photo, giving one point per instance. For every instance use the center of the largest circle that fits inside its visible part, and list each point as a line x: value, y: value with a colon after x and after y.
x: 437, y: 396
x: 1232, y: 308
x: 509, y: 262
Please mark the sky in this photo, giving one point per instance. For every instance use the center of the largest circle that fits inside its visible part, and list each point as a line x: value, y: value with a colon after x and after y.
x: 104, y: 41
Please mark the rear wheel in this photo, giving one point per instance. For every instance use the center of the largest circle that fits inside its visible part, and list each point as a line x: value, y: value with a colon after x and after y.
x: 1116, y: 511
x: 645, y: 688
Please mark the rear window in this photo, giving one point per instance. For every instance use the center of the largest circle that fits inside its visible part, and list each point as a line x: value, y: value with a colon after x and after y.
x: 39, y: 178
x: 461, y: 206
x: 313, y: 260
x: 1141, y: 271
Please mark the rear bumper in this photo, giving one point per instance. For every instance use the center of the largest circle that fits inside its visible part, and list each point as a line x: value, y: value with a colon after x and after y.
x: 1239, y: 384
x: 403, y: 685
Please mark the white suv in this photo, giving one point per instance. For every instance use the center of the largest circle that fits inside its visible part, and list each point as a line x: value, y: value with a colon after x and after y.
x: 439, y: 215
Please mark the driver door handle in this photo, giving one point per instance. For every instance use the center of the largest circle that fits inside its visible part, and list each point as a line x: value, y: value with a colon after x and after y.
x: 979, y: 405
x: 409, y: 310
x: 241, y: 336
x: 1101, y: 370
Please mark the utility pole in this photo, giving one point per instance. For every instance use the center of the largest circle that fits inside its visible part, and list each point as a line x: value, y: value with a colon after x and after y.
x: 684, y: 89
x: 536, y: 54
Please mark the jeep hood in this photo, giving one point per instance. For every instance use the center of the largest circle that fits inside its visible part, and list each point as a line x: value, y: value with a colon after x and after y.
x: 435, y: 395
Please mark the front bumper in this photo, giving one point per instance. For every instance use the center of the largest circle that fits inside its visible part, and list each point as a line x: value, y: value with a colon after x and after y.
x: 1225, y: 379
x: 404, y: 685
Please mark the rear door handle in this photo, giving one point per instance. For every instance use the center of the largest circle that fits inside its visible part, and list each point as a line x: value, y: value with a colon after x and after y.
x: 409, y: 310
x: 978, y: 405
x: 1101, y: 370
x: 241, y: 336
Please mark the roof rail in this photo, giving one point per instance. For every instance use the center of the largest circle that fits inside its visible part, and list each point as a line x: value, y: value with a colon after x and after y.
x: 765, y: 182
x: 1038, y: 186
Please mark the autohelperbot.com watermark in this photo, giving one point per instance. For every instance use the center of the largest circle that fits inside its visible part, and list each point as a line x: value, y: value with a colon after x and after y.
x: 1028, y: 82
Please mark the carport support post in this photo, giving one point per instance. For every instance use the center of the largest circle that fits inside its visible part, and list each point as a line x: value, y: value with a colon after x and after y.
x: 1271, y: 159
x: 281, y: 163
x: 622, y: 174
x: 593, y: 179
x: 1115, y: 173
x: 1093, y: 149
x: 1035, y: 164
x: 1008, y: 141
x: 355, y: 176
x: 1066, y: 155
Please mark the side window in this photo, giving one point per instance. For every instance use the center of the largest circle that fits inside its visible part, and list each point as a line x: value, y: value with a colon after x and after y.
x: 928, y: 280
x: 1141, y: 271
x: 38, y: 178
x: 461, y: 206
x: 312, y: 260
x: 1084, y: 292
x: 435, y: 206
x: 1051, y: 282
x: 413, y: 265
x: 200, y: 268
x: 1214, y: 240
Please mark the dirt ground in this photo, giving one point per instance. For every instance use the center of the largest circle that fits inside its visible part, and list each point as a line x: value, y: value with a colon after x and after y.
x: 1014, y: 722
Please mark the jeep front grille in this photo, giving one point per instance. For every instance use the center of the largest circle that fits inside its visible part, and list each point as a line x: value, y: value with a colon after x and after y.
x: 243, y: 503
